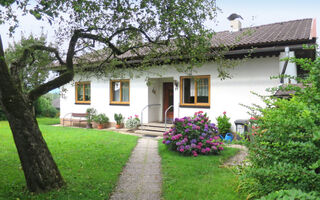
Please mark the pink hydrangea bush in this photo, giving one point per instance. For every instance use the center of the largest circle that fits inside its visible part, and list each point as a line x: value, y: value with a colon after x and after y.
x: 193, y: 135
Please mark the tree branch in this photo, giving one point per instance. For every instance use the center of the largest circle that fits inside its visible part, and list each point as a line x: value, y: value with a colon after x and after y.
x: 49, y: 49
x: 64, y: 78
x: 7, y: 89
x: 102, y: 40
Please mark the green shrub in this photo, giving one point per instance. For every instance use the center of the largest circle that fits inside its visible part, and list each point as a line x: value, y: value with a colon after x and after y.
x: 223, y: 124
x: 44, y: 108
x: 291, y: 194
x: 193, y: 135
x: 285, y: 151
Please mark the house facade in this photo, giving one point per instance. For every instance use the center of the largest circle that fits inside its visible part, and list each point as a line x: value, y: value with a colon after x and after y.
x: 150, y: 96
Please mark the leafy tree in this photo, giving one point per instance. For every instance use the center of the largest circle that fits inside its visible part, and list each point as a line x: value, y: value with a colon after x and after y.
x: 151, y: 31
x: 32, y: 75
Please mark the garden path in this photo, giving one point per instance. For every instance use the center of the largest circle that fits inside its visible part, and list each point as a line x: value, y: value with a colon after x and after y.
x: 239, y: 157
x: 141, y: 178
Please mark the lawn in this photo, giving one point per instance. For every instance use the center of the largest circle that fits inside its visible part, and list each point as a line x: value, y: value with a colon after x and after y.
x: 90, y: 161
x: 199, y: 177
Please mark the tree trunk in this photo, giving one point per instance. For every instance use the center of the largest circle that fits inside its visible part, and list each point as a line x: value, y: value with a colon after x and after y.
x: 40, y: 170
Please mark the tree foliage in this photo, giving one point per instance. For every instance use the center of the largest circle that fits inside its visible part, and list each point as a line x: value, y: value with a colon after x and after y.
x: 34, y: 73
x: 115, y: 33
x: 285, y: 153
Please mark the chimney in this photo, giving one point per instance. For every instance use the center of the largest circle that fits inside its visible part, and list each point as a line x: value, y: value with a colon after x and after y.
x: 235, y: 25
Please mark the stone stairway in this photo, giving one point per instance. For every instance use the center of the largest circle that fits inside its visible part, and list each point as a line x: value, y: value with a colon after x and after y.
x: 153, y: 129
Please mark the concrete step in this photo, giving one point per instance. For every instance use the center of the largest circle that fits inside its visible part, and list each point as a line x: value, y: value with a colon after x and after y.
x: 157, y: 124
x: 152, y: 133
x: 153, y: 128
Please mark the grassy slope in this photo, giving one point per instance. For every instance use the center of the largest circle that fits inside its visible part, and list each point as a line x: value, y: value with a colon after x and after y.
x: 89, y: 160
x: 197, y: 177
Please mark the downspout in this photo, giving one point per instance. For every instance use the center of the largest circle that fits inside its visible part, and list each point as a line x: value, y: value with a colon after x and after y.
x: 286, y: 49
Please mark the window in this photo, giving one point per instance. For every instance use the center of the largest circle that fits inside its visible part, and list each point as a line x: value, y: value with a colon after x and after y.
x: 119, y: 92
x: 195, y: 91
x: 83, y: 92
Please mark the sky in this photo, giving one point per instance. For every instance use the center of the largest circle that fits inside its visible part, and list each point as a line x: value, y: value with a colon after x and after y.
x: 253, y: 12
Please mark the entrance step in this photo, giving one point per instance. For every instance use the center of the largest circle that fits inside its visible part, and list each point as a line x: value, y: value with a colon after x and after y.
x: 157, y: 124
x: 152, y: 133
x: 154, y: 129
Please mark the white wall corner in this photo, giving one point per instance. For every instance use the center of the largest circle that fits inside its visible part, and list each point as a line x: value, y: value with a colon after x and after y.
x: 291, y: 67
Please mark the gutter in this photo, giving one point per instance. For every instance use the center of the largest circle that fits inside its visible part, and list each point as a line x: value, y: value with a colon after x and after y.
x: 212, y: 55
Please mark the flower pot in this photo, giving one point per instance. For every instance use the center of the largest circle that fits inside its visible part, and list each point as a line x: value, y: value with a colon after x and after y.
x: 118, y: 126
x: 100, y: 126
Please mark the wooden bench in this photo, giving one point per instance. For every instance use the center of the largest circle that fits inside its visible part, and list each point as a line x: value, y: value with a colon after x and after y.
x: 76, y: 115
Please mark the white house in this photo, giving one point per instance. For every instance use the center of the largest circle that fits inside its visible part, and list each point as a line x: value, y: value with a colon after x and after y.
x: 202, y: 90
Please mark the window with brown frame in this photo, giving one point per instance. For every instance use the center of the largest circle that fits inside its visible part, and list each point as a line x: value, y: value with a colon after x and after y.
x: 119, y: 92
x: 83, y: 92
x: 195, y: 90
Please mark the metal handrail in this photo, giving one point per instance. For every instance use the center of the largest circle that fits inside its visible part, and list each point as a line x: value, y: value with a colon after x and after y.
x: 149, y: 105
x: 165, y: 117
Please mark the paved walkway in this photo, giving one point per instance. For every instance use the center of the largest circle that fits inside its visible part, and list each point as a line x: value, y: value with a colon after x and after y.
x: 239, y: 157
x: 141, y: 177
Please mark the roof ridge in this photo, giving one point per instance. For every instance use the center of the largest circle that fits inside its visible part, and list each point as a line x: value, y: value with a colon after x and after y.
x: 275, y: 23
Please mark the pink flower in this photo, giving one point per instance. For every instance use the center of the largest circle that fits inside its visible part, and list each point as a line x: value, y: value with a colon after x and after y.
x: 181, y: 150
x: 220, y: 148
x: 224, y: 113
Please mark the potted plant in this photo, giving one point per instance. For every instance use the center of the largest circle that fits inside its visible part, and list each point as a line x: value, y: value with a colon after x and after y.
x: 100, y: 120
x: 90, y: 113
x: 132, y: 122
x: 118, y: 118
x: 223, y: 125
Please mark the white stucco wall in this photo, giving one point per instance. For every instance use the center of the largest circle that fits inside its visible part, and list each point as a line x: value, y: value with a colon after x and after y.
x: 226, y: 95
x: 291, y: 69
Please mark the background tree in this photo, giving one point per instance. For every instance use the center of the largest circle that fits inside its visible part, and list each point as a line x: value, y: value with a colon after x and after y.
x: 32, y: 75
x: 146, y: 30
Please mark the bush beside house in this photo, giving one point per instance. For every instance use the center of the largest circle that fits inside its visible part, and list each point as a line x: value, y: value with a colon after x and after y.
x: 285, y: 152
x: 193, y: 135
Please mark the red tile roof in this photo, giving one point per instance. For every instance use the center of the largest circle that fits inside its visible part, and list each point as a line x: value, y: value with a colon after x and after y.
x: 277, y: 33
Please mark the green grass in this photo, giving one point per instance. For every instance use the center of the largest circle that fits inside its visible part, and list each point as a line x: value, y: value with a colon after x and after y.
x: 90, y: 162
x: 199, y: 177
x: 48, y: 121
